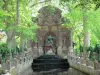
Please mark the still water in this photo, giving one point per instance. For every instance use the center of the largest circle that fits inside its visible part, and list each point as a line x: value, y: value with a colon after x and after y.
x: 69, y: 72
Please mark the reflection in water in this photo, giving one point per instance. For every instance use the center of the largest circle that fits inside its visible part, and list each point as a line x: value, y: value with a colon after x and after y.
x: 69, y: 72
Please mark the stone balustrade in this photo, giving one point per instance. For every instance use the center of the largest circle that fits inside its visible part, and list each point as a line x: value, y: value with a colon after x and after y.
x: 84, y: 65
x: 19, y: 63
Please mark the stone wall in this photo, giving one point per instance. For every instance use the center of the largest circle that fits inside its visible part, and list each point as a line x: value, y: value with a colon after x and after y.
x: 86, y: 66
x: 19, y: 63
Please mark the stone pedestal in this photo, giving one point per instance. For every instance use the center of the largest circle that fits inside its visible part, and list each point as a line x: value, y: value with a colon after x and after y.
x: 64, y: 51
x: 70, y: 50
x: 8, y: 65
x: 35, y: 51
x: 13, y: 71
x: 59, y: 52
x: 15, y: 62
x: 82, y: 60
x: 40, y: 51
x: 96, y: 65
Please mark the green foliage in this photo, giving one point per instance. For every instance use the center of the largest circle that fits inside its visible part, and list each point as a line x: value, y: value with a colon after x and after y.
x: 78, y: 38
x: 73, y: 1
x: 74, y: 15
x: 94, y: 39
x: 7, y: 16
x: 97, y: 48
x: 93, y: 22
x: 97, y: 6
x: 28, y: 32
x: 51, y: 9
x: 92, y: 50
x: 81, y: 48
x: 97, y: 2
x: 2, y: 71
x: 1, y: 4
x: 4, y: 51
x: 2, y: 19
x: 97, y: 51
x: 27, y: 28
x: 65, y: 0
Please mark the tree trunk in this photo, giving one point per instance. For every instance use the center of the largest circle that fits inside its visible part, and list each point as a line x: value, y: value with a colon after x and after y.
x: 22, y: 44
x: 11, y: 42
x: 17, y: 13
x: 86, y: 32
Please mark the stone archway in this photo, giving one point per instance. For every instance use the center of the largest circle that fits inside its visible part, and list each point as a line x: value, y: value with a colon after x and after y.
x: 47, y: 45
x: 50, y: 24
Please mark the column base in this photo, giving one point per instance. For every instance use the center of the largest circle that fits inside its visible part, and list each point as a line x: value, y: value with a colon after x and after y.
x: 59, y: 51
x: 40, y: 51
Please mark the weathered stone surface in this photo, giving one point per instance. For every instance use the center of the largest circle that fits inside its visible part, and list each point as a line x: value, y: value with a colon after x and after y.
x: 50, y: 19
x: 8, y: 65
x: 49, y: 16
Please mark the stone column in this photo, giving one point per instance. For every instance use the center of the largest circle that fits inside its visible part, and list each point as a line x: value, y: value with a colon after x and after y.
x: 59, y: 41
x: 68, y: 42
x: 70, y: 48
x: 40, y: 50
x: 35, y: 50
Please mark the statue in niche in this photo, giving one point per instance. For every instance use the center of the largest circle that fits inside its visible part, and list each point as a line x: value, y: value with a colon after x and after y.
x: 50, y: 43
x: 50, y: 39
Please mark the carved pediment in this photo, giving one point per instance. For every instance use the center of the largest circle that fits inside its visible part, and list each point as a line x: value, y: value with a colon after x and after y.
x: 49, y: 16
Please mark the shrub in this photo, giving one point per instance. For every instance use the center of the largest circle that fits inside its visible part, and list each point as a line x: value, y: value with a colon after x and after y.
x: 2, y: 71
x: 4, y: 51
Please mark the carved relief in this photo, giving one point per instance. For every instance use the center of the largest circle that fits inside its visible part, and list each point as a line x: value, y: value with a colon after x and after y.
x: 46, y: 18
x: 50, y: 26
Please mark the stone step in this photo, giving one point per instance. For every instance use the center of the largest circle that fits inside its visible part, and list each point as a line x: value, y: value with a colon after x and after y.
x: 49, y: 62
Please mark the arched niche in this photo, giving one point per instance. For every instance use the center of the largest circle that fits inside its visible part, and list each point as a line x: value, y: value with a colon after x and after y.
x: 46, y: 45
x: 50, y: 24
